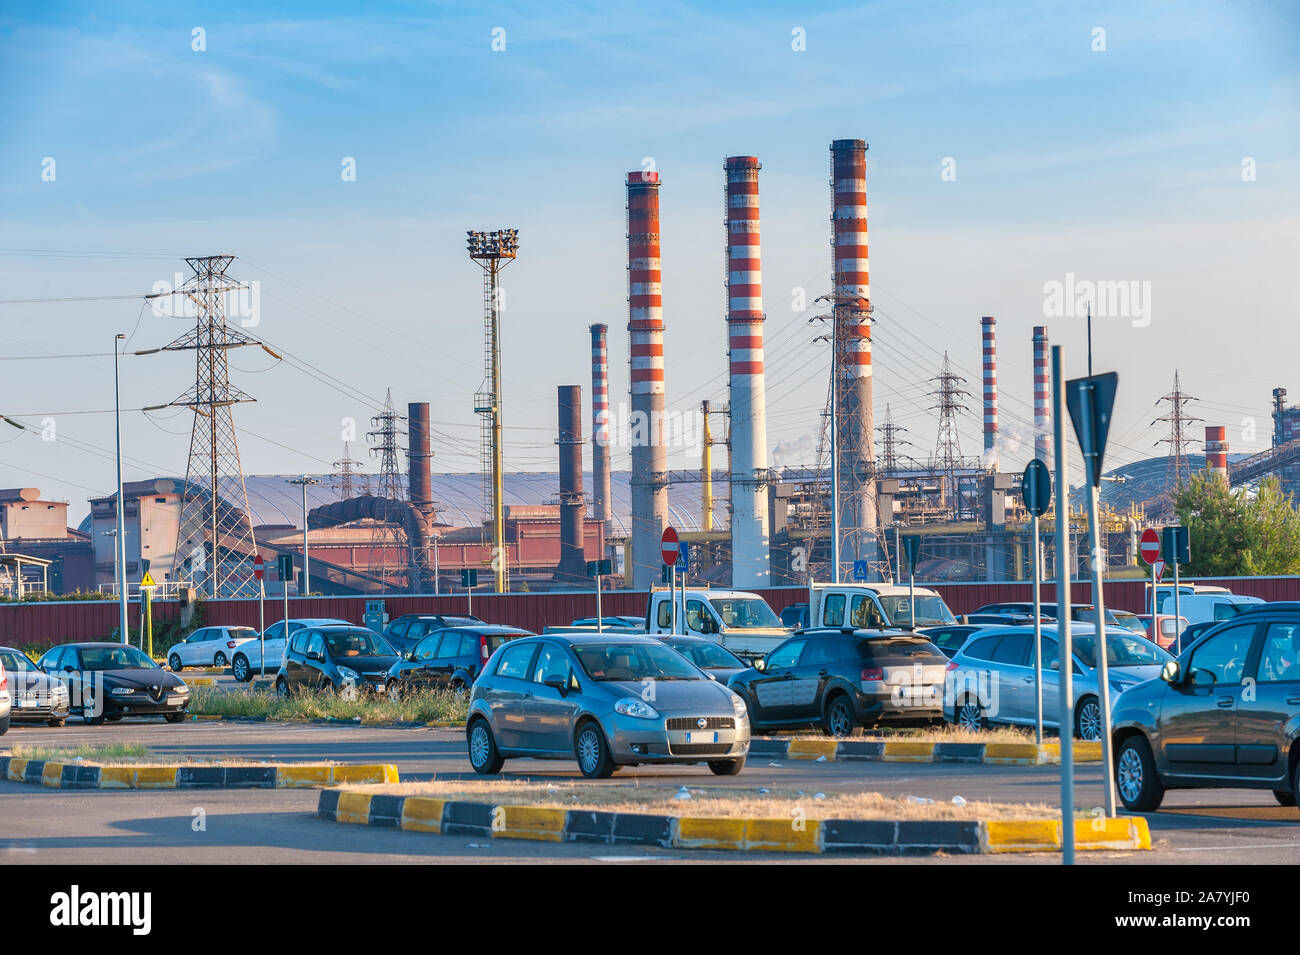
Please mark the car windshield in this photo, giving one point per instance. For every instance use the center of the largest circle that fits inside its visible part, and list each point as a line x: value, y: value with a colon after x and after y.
x: 1122, y: 650
x: 744, y: 612
x: 708, y: 655
x: 931, y: 611
x: 1129, y: 621
x: 634, y: 661
x: 355, y: 643
x: 115, y: 658
x: 15, y: 662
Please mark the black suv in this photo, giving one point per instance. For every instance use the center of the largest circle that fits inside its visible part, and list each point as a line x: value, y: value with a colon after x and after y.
x: 333, y: 658
x: 1225, y: 714
x: 840, y: 680
x: 410, y: 628
x: 453, y: 657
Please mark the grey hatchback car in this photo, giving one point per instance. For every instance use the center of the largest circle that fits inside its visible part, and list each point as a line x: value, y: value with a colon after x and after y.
x: 606, y: 701
x: 991, y: 678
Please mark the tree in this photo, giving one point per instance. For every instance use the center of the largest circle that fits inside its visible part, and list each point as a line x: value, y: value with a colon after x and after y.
x: 1235, y: 533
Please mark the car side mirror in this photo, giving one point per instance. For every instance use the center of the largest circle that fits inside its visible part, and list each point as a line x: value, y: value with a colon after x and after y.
x: 1171, y: 673
x: 556, y: 682
x: 761, y: 664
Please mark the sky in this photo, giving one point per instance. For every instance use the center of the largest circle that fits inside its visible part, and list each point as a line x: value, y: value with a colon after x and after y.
x: 1012, y: 145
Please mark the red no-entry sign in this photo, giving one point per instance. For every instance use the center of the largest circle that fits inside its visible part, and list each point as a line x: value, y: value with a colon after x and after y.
x: 1150, y: 546
x: 259, y: 567
x: 669, y: 546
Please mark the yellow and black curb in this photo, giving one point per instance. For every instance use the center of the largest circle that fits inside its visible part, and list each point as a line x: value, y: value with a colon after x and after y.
x: 911, y: 751
x: 59, y: 775
x: 890, y: 837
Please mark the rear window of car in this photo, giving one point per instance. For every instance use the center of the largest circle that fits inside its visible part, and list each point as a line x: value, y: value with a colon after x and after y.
x: 240, y: 633
x: 981, y: 649
x: 949, y: 640
x: 898, y: 652
x: 497, y: 640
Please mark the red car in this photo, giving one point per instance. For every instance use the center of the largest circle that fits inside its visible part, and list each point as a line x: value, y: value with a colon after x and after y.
x: 1168, y: 628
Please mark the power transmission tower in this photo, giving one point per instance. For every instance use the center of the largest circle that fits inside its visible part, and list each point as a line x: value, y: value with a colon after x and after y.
x: 1178, y: 420
x: 388, y: 544
x: 890, y: 442
x: 345, y: 474
x: 214, y: 540
x: 947, y: 459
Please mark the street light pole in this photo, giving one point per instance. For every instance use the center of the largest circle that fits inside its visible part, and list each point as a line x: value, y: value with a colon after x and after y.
x: 119, y: 545
x: 306, y: 558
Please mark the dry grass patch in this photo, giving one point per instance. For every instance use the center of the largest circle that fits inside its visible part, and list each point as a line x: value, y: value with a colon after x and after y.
x: 945, y: 733
x: 132, y: 754
x: 714, y: 802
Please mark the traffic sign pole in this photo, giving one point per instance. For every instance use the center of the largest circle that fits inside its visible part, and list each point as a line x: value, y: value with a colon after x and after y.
x: 600, y: 622
x: 1065, y: 648
x: 1178, y: 633
x: 1036, y: 491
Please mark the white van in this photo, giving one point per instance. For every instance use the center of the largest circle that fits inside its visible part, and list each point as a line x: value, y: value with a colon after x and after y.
x: 1199, y: 608
x: 740, y: 621
x: 875, y: 606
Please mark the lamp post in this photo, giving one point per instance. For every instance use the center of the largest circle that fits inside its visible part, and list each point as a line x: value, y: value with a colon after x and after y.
x: 303, y: 482
x: 119, y: 544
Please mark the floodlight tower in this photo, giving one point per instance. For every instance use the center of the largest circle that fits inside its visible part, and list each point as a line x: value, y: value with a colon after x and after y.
x: 493, y: 251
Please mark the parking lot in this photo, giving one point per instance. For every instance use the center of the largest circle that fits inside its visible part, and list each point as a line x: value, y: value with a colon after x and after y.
x: 46, y: 825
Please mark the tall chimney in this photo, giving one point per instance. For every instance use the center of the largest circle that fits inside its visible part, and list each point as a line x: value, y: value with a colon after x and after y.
x: 573, y: 557
x: 602, y: 507
x: 851, y: 310
x: 1042, y: 391
x: 646, y: 357
x: 420, y: 460
x: 1216, y: 451
x: 988, y: 337
x: 751, y: 564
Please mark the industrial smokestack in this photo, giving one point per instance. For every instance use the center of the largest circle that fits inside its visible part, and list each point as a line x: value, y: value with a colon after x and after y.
x: 1216, y: 451
x: 750, y: 561
x: 420, y: 464
x: 573, y: 558
x: 988, y: 337
x: 602, y: 507
x: 851, y: 309
x: 1042, y: 390
x: 646, y: 357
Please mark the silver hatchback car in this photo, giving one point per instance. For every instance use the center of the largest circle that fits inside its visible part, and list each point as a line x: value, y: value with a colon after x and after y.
x: 606, y: 701
x: 991, y: 678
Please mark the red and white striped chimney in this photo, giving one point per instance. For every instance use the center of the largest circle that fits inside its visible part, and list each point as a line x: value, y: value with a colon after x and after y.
x: 646, y: 358
x: 1042, y: 397
x: 602, y: 508
x: 988, y: 339
x: 750, y: 557
x: 851, y: 296
x: 1216, y: 451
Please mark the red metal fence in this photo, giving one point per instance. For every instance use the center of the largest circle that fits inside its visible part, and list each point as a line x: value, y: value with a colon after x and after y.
x: 50, y: 623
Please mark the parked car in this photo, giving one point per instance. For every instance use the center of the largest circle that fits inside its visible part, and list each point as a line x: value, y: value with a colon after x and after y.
x: 1164, y: 632
x: 1123, y: 618
x: 991, y: 678
x: 1025, y: 608
x: 6, y: 701
x: 618, y: 622
x: 950, y: 639
x: 331, y: 657
x: 1205, y: 607
x: 795, y: 616
x: 247, y: 660
x: 107, y: 681
x: 713, y: 658
x: 410, y: 628
x: 35, y: 695
x: 449, y: 658
x: 999, y: 619
x: 841, y: 680
x: 606, y: 701
x: 208, y: 647
x: 1197, y: 726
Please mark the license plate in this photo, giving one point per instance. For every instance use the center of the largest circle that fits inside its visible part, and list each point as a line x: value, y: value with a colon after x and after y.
x: 28, y: 704
x: 702, y: 737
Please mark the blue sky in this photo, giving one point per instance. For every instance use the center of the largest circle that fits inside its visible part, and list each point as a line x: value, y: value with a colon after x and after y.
x: 1122, y: 164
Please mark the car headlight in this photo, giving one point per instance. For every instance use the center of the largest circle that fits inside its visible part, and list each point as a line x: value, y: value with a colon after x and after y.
x: 122, y: 691
x: 180, y: 689
x: 738, y: 705
x: 630, y: 706
x: 347, y: 673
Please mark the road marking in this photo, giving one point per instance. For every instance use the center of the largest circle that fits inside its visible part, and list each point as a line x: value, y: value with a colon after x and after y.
x: 1276, y: 845
x: 634, y: 858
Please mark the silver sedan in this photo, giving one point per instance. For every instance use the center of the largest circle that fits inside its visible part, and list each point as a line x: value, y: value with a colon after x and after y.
x: 606, y: 701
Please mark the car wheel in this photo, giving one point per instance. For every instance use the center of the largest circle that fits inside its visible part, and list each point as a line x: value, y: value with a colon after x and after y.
x: 727, y: 767
x: 1087, y: 719
x: 592, y: 751
x: 840, y: 719
x: 174, y: 662
x: 219, y: 660
x: 175, y: 717
x: 1284, y: 798
x: 240, y: 668
x: 483, y: 753
x: 970, y: 716
x: 1136, y: 779
x: 282, y: 688
x: 1295, y: 778
x: 55, y: 723
x: 91, y: 720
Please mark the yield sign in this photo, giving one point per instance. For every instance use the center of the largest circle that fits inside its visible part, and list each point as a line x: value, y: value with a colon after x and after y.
x: 1150, y: 546
x: 1158, y: 568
